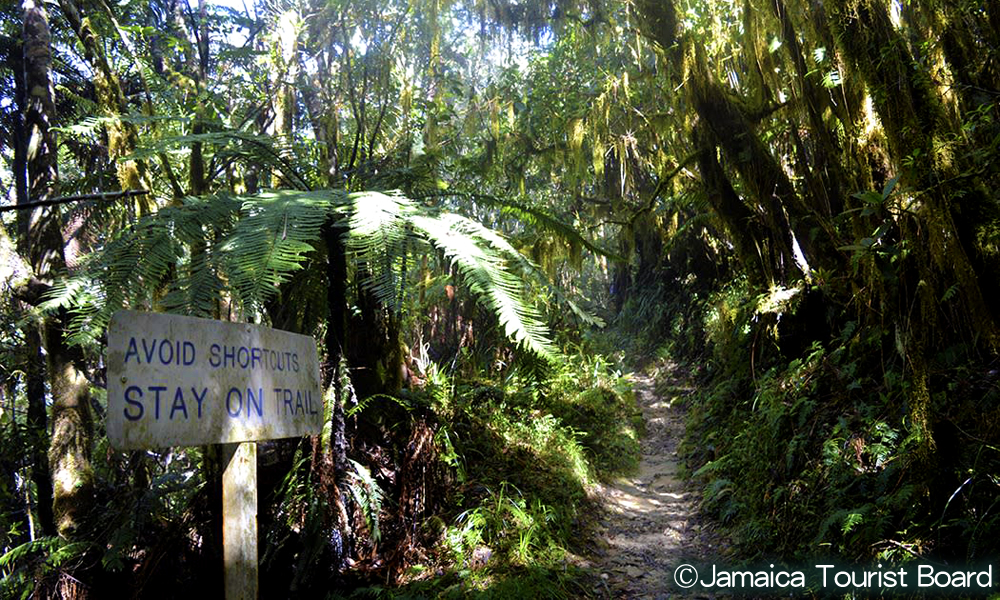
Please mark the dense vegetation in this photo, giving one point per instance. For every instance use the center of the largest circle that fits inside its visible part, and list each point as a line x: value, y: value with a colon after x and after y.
x: 485, y: 213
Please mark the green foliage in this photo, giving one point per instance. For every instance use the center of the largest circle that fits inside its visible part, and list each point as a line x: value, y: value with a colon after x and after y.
x: 868, y: 429
x: 189, y: 258
x: 523, y: 452
x: 480, y: 255
x: 34, y: 564
x: 369, y: 497
x: 383, y: 231
x: 139, y: 267
x: 814, y: 453
x: 272, y: 239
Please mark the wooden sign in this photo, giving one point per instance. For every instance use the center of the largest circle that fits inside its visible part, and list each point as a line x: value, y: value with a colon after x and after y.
x: 182, y: 381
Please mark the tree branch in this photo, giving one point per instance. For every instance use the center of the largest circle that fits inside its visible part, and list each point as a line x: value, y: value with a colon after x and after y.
x: 690, y: 158
x: 77, y: 198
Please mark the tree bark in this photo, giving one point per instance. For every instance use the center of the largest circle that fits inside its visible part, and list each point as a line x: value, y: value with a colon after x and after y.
x: 42, y: 243
x: 761, y: 173
x: 742, y: 225
x: 914, y: 122
x: 34, y: 361
x: 123, y: 137
x: 37, y: 425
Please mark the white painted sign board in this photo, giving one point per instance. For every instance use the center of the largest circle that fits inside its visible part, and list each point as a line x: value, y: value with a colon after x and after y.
x: 183, y: 381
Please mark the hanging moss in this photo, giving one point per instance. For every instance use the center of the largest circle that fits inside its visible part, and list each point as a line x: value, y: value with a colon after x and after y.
x: 760, y: 172
x: 914, y: 120
x: 905, y: 103
x: 741, y: 223
x: 123, y: 137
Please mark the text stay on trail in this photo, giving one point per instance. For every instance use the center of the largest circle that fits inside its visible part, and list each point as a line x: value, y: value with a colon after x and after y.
x: 183, y: 381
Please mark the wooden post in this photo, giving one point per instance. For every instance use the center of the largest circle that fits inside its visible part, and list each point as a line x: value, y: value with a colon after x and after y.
x: 231, y: 384
x: 239, y: 520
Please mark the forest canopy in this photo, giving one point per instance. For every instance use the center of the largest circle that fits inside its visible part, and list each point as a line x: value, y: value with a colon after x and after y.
x: 486, y: 213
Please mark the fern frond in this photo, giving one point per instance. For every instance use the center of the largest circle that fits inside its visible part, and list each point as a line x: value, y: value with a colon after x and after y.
x: 529, y: 270
x: 384, y: 227
x: 479, y: 257
x: 368, y: 495
x: 271, y: 241
x: 378, y: 237
x: 538, y: 218
x: 185, y: 258
x: 141, y: 261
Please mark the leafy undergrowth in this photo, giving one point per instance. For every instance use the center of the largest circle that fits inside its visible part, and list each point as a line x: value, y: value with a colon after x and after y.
x: 521, y: 454
x: 454, y: 490
x: 806, y: 438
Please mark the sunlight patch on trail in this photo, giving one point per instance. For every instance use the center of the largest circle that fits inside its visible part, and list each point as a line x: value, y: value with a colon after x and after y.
x: 650, y: 520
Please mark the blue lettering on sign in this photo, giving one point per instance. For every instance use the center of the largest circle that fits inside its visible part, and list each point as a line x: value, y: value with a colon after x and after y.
x: 200, y: 398
x: 229, y: 402
x: 135, y: 409
x: 179, y: 404
x: 156, y: 389
x: 164, y: 351
x: 252, y: 357
x: 129, y: 392
x: 294, y: 402
x: 254, y: 403
x: 257, y: 402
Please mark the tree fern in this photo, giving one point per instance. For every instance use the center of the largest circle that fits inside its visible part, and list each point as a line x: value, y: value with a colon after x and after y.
x: 140, y: 267
x: 186, y: 258
x: 270, y: 241
x: 486, y: 273
x: 536, y: 217
x: 381, y: 225
x: 376, y: 238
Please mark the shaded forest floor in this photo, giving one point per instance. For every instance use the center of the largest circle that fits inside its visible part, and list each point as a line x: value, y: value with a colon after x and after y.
x: 649, y: 522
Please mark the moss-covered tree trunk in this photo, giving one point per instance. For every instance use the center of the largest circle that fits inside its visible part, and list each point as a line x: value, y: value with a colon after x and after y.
x: 37, y: 426
x: 788, y: 217
x: 744, y: 229
x: 34, y: 359
x: 41, y: 241
x: 785, y: 212
x: 918, y: 132
x: 949, y: 206
x: 123, y: 137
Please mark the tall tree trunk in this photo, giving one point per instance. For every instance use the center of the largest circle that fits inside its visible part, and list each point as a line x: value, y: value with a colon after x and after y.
x: 741, y: 223
x: 915, y: 124
x: 825, y: 175
x: 41, y: 241
x: 123, y: 137
x: 37, y: 425
x: 285, y: 64
x: 785, y: 213
x: 330, y: 456
x: 37, y: 417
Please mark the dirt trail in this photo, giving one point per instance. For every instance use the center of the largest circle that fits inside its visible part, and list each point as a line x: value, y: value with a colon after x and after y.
x: 650, y: 523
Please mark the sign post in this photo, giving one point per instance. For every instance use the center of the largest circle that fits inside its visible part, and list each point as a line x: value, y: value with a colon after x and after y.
x: 239, y: 519
x: 182, y: 381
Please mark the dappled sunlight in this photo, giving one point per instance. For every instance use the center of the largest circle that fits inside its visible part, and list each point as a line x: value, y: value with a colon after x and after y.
x: 587, y: 281
x: 651, y: 517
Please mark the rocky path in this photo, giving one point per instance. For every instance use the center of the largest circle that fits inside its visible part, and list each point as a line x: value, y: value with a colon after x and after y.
x: 650, y: 524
